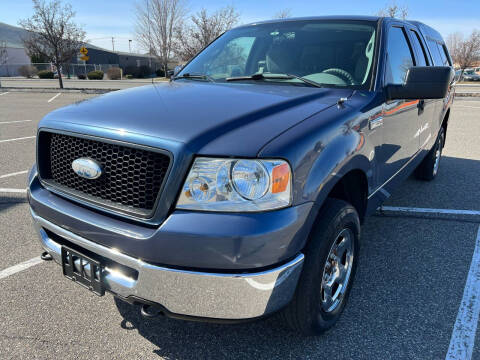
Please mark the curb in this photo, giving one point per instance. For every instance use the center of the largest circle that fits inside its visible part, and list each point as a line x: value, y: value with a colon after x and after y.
x: 435, y: 214
x: 53, y: 90
x: 465, y: 94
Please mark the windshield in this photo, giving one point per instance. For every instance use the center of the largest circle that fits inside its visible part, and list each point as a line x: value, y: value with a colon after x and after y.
x: 328, y: 52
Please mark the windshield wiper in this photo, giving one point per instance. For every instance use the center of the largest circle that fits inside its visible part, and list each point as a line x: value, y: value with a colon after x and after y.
x: 194, y: 76
x: 263, y: 76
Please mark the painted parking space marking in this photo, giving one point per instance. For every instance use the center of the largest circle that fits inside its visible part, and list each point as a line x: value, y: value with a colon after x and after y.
x: 14, y: 122
x: 428, y: 210
x: 17, y: 139
x: 13, y: 191
x: 53, y: 98
x: 20, y: 267
x: 464, y: 330
x: 3, y: 93
x: 13, y: 174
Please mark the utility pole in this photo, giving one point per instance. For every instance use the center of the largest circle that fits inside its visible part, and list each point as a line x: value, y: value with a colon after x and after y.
x: 113, y: 43
x: 130, y: 46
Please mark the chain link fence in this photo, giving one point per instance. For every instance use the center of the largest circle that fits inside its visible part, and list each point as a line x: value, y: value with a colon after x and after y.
x: 68, y: 70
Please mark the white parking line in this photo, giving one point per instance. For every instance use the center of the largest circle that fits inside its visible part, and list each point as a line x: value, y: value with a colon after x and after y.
x: 16, y: 139
x: 53, y: 98
x: 14, y: 122
x: 428, y: 211
x: 13, y: 191
x: 13, y: 174
x: 4, y: 93
x: 20, y: 267
x: 463, y: 335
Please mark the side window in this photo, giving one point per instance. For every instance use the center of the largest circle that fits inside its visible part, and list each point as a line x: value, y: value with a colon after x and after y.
x: 399, y: 56
x: 437, y: 58
x: 443, y: 53
x: 422, y: 59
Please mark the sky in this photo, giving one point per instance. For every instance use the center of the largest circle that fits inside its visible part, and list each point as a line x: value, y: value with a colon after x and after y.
x: 103, y: 19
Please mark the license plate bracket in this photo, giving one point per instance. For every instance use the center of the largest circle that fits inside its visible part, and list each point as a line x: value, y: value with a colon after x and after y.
x: 83, y: 270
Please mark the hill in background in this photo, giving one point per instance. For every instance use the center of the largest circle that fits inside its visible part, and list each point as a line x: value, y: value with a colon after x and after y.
x: 12, y: 35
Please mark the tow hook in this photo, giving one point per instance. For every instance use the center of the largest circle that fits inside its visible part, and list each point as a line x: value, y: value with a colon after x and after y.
x: 149, y: 311
x: 46, y: 256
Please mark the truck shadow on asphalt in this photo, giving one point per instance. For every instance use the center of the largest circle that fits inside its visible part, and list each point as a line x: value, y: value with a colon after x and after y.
x: 7, y: 202
x: 455, y: 187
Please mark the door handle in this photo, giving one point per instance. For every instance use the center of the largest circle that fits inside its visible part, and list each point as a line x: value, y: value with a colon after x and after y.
x: 374, y: 123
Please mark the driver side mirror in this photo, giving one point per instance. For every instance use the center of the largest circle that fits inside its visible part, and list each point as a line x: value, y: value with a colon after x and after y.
x: 423, y: 82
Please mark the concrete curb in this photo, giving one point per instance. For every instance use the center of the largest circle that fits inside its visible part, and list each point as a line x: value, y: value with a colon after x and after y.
x: 53, y: 90
x: 437, y: 214
x: 465, y: 94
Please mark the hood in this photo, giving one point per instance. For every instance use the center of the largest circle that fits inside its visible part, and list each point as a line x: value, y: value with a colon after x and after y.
x: 235, y: 119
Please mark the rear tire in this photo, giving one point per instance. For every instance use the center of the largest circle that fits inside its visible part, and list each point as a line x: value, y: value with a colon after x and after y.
x: 332, y: 250
x: 428, y: 168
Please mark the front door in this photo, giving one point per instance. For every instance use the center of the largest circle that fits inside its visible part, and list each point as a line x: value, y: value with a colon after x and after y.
x: 400, y: 117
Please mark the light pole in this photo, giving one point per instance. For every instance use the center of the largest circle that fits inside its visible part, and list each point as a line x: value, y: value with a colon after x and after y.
x: 130, y: 46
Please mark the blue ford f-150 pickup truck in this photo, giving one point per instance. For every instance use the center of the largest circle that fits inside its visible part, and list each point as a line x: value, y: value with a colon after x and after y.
x: 238, y: 188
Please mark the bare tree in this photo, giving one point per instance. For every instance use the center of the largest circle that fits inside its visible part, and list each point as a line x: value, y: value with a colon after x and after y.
x: 464, y: 52
x: 155, y: 25
x: 453, y: 41
x: 283, y: 14
x: 395, y: 11
x: 52, y: 33
x: 202, y: 29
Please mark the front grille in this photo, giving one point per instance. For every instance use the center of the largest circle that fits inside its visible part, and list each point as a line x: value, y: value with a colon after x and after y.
x: 131, y: 177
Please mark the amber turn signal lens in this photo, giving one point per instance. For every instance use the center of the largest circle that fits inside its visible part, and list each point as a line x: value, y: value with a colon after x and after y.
x: 280, y: 178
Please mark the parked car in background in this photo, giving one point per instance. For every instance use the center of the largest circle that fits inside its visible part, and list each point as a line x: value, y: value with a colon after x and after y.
x: 470, y: 75
x: 238, y: 189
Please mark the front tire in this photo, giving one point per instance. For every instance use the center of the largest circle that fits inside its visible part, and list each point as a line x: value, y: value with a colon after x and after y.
x: 428, y: 168
x: 328, y: 270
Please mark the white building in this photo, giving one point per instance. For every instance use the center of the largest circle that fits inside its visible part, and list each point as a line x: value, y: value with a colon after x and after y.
x: 14, y: 58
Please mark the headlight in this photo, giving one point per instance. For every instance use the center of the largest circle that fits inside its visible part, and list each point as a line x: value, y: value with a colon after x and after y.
x: 236, y: 185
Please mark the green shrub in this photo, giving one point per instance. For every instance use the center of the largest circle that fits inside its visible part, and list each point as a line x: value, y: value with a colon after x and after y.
x: 95, y: 75
x: 27, y: 71
x: 129, y: 76
x: 114, y: 73
x: 81, y: 76
x: 160, y: 73
x: 45, y: 74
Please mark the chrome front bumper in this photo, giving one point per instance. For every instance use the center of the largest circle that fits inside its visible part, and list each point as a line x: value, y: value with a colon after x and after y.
x: 191, y: 293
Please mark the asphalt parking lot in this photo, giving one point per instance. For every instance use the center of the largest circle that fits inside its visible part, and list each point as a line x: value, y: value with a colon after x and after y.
x: 405, y: 302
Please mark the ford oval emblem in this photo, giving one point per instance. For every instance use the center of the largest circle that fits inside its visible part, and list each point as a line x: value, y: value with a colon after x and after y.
x: 87, y: 168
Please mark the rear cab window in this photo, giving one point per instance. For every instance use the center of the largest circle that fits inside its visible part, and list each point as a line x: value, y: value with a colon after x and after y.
x: 444, y: 54
x: 421, y: 55
x: 435, y: 52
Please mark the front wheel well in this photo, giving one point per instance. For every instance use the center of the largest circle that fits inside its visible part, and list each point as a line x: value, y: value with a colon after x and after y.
x: 353, y: 188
